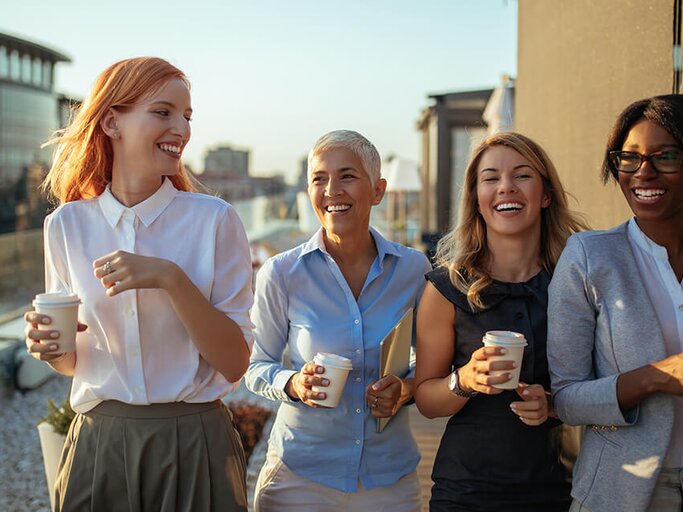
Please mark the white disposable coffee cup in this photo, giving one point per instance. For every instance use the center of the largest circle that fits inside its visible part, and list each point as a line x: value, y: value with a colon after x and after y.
x: 62, y: 308
x: 514, y: 343
x: 337, y: 369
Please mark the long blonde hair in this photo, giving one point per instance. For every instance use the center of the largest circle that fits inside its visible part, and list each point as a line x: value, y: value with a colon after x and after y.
x: 464, y: 251
x: 83, y: 159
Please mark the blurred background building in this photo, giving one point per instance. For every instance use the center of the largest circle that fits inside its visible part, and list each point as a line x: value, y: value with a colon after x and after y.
x: 29, y: 112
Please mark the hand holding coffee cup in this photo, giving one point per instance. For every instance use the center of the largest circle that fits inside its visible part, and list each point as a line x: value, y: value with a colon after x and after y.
x: 336, y: 369
x: 52, y: 327
x: 299, y: 386
x: 513, y: 343
x: 486, y: 370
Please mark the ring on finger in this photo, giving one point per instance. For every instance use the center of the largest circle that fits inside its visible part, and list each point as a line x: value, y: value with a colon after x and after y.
x: 107, y: 267
x: 374, y: 402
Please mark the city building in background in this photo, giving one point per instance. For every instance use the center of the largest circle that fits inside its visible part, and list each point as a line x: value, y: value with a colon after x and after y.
x: 449, y: 128
x: 580, y: 64
x: 30, y: 112
x: 226, y: 174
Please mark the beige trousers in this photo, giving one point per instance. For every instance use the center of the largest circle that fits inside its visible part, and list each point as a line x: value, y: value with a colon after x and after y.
x: 279, y: 489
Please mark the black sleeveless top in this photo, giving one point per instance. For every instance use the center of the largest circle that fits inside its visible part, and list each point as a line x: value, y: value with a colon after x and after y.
x: 488, y: 460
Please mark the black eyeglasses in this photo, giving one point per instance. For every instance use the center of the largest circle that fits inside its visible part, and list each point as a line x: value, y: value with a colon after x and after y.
x: 666, y: 162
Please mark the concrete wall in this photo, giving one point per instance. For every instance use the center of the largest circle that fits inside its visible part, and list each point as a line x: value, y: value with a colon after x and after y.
x: 580, y: 62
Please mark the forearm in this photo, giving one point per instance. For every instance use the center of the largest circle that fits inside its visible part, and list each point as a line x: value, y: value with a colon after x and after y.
x: 434, y: 399
x: 218, y: 338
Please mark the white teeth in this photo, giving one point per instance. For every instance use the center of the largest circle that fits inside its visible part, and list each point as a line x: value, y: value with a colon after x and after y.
x: 508, y: 206
x: 648, y: 192
x: 338, y: 207
x: 169, y: 148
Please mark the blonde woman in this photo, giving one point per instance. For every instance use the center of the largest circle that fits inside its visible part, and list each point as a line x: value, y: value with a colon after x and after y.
x: 499, y: 450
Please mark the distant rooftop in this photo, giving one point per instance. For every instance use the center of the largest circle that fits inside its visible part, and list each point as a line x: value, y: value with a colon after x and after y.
x: 31, y: 48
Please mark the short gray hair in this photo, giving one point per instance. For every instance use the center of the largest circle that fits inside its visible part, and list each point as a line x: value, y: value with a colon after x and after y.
x: 354, y: 142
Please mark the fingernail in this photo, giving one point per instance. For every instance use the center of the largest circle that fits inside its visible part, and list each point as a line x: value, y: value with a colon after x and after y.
x: 319, y: 369
x: 325, y: 382
x: 322, y: 396
x: 503, y: 351
x: 54, y: 334
x: 375, y: 386
x: 513, y: 406
x: 53, y: 347
x: 45, y: 320
x: 514, y: 365
x: 525, y: 392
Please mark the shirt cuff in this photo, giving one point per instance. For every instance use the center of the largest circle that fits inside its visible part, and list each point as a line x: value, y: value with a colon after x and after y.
x: 280, y: 382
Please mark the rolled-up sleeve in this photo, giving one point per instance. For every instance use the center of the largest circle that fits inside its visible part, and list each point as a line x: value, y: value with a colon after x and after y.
x: 581, y: 397
x: 266, y: 375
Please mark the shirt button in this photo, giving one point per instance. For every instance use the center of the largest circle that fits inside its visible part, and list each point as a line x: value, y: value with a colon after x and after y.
x: 519, y: 316
x: 357, y: 351
x: 131, y: 312
x: 680, y: 307
x: 357, y: 379
x: 356, y: 321
x: 357, y: 441
x: 358, y: 411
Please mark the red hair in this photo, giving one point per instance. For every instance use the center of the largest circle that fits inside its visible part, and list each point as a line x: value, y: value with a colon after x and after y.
x: 82, y: 164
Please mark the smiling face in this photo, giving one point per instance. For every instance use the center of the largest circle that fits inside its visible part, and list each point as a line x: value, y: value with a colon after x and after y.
x: 510, y: 193
x: 341, y: 192
x: 149, y: 137
x: 653, y: 197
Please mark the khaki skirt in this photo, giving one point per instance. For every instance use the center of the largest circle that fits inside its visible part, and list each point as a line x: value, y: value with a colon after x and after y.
x: 175, y: 457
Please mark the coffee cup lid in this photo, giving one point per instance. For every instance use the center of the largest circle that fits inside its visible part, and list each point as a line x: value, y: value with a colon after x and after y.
x: 509, y: 338
x: 332, y: 360
x: 56, y: 299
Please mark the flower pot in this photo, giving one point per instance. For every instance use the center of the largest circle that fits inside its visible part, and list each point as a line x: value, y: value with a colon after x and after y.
x: 51, y: 444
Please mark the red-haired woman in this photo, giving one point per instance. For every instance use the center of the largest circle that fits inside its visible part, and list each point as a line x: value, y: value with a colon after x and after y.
x: 164, y: 275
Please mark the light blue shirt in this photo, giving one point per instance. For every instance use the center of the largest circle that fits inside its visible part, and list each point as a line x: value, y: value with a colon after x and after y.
x: 304, y: 303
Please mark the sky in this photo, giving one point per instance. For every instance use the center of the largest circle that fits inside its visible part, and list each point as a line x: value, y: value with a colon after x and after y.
x: 273, y: 75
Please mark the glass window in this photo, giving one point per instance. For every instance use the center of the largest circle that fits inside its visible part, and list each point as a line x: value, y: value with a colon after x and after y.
x: 4, y: 63
x: 26, y: 69
x: 47, y: 75
x: 37, y: 75
x: 14, y: 66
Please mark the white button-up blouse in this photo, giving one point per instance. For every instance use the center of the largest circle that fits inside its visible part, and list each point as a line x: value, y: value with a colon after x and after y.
x: 136, y: 350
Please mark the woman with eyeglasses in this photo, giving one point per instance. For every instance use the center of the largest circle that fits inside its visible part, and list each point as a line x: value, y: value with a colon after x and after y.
x: 615, y: 324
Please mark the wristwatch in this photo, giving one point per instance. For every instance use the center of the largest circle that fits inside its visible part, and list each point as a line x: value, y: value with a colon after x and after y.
x: 454, y: 386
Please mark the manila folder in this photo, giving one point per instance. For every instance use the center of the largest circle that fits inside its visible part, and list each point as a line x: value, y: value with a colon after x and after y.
x: 394, y: 353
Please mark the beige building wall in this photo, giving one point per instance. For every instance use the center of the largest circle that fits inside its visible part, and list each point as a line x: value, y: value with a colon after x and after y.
x: 580, y: 62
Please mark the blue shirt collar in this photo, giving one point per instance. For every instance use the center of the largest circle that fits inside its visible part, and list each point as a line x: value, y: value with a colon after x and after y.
x: 147, y: 211
x: 384, y: 246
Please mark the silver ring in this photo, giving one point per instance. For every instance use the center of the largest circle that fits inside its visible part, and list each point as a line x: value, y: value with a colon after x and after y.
x: 107, y: 268
x: 374, y: 403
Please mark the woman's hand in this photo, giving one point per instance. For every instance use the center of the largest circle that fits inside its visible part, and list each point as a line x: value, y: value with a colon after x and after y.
x: 43, y: 344
x: 474, y: 376
x: 299, y: 385
x: 533, y: 410
x: 384, y: 395
x: 119, y: 271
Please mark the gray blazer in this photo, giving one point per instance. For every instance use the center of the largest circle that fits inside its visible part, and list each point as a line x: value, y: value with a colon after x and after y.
x: 601, y: 323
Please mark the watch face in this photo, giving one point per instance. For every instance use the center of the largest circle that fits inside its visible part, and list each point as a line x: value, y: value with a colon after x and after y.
x: 452, y: 381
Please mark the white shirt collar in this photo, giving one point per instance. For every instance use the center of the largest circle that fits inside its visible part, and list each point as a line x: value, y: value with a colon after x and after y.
x: 147, y: 211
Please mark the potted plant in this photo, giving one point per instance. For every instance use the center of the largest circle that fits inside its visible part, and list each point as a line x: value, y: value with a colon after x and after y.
x: 52, y: 430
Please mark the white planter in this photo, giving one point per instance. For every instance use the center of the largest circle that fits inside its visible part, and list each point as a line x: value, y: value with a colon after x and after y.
x: 51, y: 444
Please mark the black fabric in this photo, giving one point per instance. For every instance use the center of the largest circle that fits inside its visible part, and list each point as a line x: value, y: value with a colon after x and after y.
x: 488, y: 460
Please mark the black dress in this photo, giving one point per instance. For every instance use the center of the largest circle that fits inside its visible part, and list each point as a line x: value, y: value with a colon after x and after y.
x: 488, y: 460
